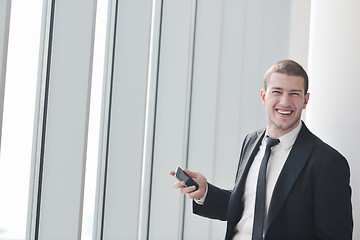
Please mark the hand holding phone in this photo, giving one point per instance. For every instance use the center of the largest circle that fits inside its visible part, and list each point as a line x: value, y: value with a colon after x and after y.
x: 182, y: 176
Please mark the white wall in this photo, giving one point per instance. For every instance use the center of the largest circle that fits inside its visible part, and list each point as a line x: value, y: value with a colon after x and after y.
x: 334, y: 60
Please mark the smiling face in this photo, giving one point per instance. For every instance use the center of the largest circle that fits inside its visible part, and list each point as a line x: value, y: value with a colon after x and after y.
x: 284, y: 99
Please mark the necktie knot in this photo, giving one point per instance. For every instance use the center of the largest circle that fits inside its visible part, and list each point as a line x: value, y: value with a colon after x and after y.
x: 270, y: 142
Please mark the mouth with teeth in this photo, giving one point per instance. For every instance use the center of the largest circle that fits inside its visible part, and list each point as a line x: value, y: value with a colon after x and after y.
x: 284, y: 113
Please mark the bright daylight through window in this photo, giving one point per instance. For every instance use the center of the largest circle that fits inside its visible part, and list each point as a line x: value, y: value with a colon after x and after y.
x: 18, y: 116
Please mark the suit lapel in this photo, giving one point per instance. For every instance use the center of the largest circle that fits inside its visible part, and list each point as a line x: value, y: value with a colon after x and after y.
x: 250, y: 152
x: 235, y: 207
x: 294, y: 164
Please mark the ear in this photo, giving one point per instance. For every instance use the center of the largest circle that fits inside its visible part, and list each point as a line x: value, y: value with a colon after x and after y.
x: 262, y: 95
x: 306, y: 100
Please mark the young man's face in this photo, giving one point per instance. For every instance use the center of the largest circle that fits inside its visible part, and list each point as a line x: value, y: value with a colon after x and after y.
x: 284, y: 101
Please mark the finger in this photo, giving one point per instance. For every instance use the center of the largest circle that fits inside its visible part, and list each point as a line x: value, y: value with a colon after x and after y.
x: 180, y: 184
x: 187, y: 190
x: 172, y: 173
x: 193, y: 194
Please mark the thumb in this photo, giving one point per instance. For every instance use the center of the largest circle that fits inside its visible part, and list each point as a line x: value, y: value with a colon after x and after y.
x: 190, y: 173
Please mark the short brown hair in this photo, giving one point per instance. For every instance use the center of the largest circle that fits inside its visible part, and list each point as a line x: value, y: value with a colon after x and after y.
x: 288, y: 67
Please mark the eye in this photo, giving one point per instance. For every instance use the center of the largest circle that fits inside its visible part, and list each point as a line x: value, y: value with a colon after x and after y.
x: 276, y: 92
x: 295, y: 94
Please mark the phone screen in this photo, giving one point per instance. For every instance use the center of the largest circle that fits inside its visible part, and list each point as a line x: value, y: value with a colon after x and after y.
x: 182, y: 176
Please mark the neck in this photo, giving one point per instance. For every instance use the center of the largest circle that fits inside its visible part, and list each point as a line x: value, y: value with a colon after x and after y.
x: 277, y: 132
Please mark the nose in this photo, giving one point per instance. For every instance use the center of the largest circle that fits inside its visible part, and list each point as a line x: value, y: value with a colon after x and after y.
x: 285, y: 100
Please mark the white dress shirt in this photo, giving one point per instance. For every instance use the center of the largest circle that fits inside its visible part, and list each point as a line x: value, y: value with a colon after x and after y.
x: 279, y: 154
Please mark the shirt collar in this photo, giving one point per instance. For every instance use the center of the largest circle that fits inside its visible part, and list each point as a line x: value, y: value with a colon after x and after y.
x: 288, y: 139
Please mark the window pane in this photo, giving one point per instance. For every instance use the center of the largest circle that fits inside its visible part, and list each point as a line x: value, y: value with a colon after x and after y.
x: 94, y: 121
x: 18, y: 116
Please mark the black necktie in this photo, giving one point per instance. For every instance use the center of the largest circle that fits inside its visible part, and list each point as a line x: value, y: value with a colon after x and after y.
x: 261, y: 192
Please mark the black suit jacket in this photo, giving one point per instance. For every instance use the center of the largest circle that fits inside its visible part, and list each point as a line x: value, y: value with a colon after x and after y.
x: 311, y: 198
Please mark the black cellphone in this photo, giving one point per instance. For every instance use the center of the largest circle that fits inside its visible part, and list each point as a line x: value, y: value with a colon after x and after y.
x: 182, y: 176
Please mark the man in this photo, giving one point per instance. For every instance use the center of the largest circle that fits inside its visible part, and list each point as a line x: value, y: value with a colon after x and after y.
x: 306, y: 193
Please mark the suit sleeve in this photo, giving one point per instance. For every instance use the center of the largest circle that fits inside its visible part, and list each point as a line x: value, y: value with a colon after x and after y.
x: 332, y: 197
x: 215, y: 205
